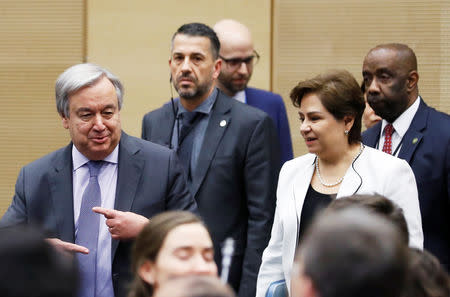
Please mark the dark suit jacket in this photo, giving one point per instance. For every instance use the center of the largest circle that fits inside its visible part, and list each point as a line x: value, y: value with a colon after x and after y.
x: 234, y: 182
x: 273, y: 105
x: 426, y: 147
x: 44, y: 197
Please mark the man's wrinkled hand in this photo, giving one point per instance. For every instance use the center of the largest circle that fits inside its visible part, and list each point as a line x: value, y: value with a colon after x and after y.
x: 122, y: 225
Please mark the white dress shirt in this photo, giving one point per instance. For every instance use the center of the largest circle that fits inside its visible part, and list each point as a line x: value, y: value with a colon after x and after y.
x: 401, y: 125
x: 240, y: 96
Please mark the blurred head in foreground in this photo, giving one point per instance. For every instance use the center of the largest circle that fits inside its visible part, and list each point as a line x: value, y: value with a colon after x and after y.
x: 377, y: 204
x: 426, y: 276
x: 350, y: 253
x: 29, y: 266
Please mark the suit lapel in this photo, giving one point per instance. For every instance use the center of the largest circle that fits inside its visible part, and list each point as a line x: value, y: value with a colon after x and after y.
x: 301, y: 185
x: 129, y: 173
x: 414, y: 134
x: 61, y: 188
x: 248, y: 97
x: 372, y: 135
x: 163, y: 127
x: 302, y: 180
x: 218, y: 124
x: 352, y: 179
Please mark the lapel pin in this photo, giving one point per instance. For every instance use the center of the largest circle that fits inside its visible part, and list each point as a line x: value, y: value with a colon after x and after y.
x: 415, y: 140
x: 223, y: 123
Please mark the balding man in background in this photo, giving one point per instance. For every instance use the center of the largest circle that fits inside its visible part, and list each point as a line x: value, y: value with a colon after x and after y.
x: 239, y: 58
x: 413, y: 131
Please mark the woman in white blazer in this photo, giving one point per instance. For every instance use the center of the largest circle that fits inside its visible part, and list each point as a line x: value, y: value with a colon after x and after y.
x: 338, y: 165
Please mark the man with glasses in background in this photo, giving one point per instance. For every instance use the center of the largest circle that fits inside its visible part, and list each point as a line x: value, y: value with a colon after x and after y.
x: 239, y: 59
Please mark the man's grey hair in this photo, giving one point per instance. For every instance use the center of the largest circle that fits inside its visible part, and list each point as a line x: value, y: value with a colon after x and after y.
x: 80, y: 76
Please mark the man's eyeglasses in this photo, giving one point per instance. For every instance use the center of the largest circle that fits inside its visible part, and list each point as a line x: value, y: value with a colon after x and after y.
x: 235, y: 63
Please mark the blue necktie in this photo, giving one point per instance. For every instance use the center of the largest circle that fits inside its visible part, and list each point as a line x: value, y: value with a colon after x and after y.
x: 87, y: 232
x: 186, y: 139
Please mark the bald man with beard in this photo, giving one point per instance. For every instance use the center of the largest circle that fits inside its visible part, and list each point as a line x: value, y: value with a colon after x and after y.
x: 421, y: 136
x: 239, y: 58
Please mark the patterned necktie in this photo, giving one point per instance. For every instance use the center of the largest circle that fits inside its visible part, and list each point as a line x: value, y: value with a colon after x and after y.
x: 87, y: 232
x: 387, y: 147
x: 186, y: 139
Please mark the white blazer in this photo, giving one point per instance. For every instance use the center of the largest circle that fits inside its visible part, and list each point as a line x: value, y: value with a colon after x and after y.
x: 372, y: 172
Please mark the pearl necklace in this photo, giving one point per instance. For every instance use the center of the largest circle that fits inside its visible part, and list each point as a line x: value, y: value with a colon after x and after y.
x: 329, y: 185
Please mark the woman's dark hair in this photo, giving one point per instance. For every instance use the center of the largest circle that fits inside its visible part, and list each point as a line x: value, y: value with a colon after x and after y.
x: 149, y: 242
x: 339, y: 93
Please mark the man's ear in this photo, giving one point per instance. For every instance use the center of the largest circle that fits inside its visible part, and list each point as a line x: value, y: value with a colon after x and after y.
x: 413, y: 80
x: 65, y: 122
x: 147, y: 272
x: 217, y: 67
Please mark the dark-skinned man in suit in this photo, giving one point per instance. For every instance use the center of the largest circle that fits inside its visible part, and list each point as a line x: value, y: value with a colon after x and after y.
x: 413, y: 131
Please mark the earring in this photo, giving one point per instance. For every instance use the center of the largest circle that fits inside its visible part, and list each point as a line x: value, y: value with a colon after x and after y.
x: 346, y: 132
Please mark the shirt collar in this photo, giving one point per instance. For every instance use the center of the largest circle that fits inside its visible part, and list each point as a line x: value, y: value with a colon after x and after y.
x: 79, y: 159
x: 402, y: 123
x: 240, y: 96
x: 204, y: 107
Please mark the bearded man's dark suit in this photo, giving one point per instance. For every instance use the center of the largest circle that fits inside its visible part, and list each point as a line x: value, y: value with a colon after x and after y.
x: 150, y: 180
x: 426, y: 147
x: 234, y: 182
